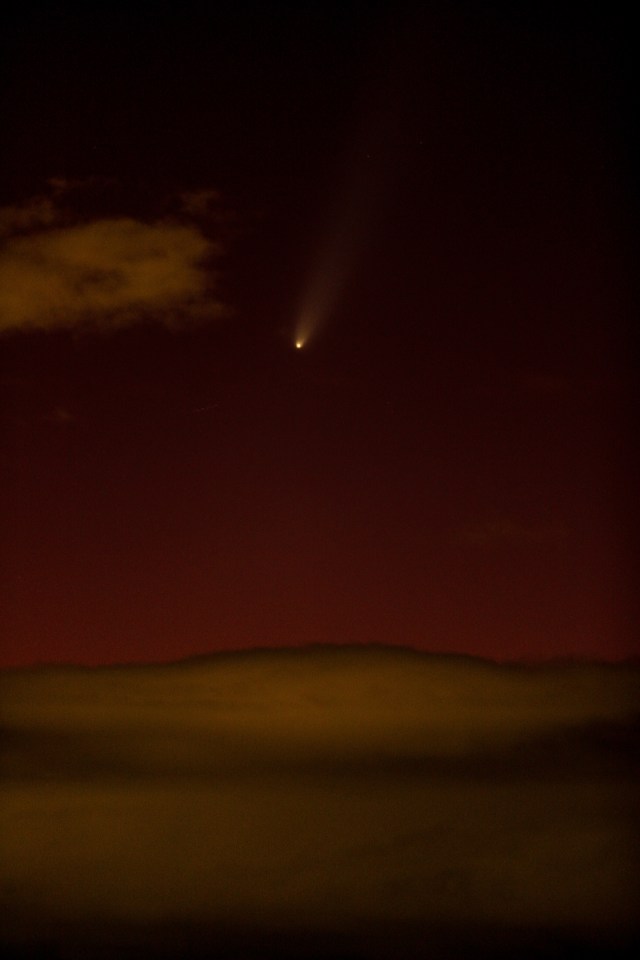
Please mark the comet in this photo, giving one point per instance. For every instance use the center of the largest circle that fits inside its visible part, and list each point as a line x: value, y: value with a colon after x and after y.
x: 359, y: 205
x: 306, y: 327
x: 343, y: 245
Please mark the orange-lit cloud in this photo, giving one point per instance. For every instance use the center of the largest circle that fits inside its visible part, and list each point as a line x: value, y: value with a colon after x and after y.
x: 36, y: 214
x: 57, y: 272
x: 200, y: 203
x: 336, y: 788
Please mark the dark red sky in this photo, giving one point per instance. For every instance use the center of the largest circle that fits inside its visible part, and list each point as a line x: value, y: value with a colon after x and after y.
x: 445, y: 464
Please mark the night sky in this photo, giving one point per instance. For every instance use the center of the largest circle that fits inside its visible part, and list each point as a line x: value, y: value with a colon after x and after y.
x: 436, y: 202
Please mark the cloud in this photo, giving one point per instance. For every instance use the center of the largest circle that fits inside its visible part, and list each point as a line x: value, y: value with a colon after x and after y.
x: 36, y: 213
x: 504, y: 530
x: 339, y: 788
x: 329, y: 790
x: 59, y: 415
x: 560, y: 388
x: 200, y: 203
x: 106, y: 272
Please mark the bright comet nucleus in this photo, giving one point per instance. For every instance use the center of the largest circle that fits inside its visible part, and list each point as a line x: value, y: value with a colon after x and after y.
x: 299, y: 344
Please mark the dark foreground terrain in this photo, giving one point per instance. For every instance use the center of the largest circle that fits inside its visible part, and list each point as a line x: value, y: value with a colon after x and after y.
x: 322, y: 803
x: 168, y: 942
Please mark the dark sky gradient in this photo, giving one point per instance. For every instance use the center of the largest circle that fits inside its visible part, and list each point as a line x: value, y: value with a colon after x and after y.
x: 446, y: 464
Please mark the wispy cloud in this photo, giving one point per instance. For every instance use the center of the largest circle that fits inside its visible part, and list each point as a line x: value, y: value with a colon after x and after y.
x: 504, y: 530
x: 200, y: 203
x: 61, y: 271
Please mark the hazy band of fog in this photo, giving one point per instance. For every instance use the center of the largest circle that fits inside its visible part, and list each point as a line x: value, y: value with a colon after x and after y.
x: 320, y: 787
